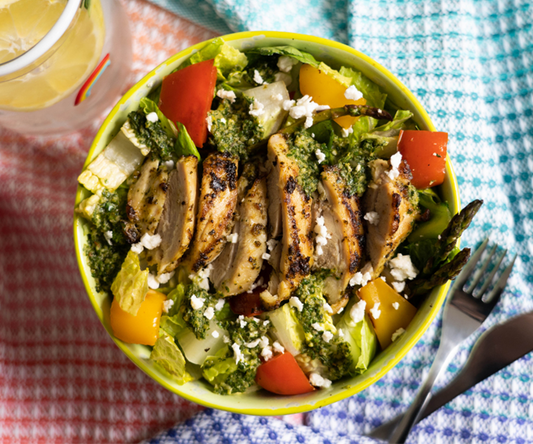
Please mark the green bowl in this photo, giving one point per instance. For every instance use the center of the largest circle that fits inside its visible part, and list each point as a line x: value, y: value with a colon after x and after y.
x: 260, y: 402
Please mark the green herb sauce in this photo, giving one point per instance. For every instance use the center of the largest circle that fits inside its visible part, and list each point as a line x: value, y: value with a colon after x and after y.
x: 110, y: 214
x: 233, y: 130
x: 302, y: 148
x: 152, y: 134
x: 195, y: 319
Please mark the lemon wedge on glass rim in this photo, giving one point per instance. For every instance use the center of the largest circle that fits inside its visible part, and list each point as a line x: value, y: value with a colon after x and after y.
x: 23, y: 23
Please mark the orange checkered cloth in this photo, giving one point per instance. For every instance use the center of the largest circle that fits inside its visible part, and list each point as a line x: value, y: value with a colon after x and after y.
x: 62, y: 379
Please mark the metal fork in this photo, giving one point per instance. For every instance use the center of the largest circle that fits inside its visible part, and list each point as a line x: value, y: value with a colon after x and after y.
x: 463, y: 314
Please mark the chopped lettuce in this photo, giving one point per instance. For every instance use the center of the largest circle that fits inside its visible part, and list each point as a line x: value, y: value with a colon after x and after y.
x: 131, y: 284
x: 167, y: 355
x: 289, y: 51
x: 371, y: 92
x: 287, y: 329
x: 197, y: 350
x: 220, y: 371
x: 361, y: 340
x: 184, y: 144
x: 386, y: 136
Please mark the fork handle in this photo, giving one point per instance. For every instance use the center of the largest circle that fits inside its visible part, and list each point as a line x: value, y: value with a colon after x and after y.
x: 444, y: 354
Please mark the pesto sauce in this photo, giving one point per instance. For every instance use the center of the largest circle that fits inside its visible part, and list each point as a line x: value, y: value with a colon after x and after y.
x: 104, y: 260
x: 152, y: 134
x: 353, y: 166
x: 302, y: 148
x: 233, y: 130
x: 110, y: 214
x: 195, y: 319
x: 335, y: 354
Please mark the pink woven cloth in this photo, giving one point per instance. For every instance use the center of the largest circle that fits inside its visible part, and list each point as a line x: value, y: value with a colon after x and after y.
x: 62, y: 379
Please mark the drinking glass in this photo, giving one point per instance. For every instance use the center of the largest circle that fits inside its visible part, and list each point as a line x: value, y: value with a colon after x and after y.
x: 62, y: 62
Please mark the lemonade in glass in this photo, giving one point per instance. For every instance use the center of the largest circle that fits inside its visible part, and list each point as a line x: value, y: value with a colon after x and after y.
x: 61, y: 62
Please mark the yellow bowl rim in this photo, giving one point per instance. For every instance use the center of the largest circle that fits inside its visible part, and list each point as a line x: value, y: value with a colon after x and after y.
x: 454, y: 205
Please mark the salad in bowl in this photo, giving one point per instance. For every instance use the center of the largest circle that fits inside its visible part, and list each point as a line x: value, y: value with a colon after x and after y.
x: 259, y: 219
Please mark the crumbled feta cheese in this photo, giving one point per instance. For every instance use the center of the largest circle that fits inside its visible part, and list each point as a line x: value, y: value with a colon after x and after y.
x: 223, y: 120
x: 305, y: 107
x: 237, y: 352
x: 352, y: 93
x: 152, y: 117
x: 320, y: 156
x: 137, y: 248
x: 228, y: 95
x: 397, y: 334
x: 266, y: 353
x: 318, y: 381
x: 372, y: 217
x: 242, y: 322
x: 265, y: 256
x: 296, y: 303
x: 257, y: 77
x: 215, y: 334
x: 399, y: 286
x: 327, y: 307
x: 375, y: 311
x: 265, y: 323
x: 150, y: 242
x: 271, y: 244
x: 226, y: 339
x: 322, y: 235
x: 108, y: 236
x: 288, y: 104
x: 209, y: 313
x: 165, y: 277
x: 169, y: 164
x: 402, y: 268
x: 202, y: 278
x: 152, y: 282
x: 383, y: 278
x: 209, y: 121
x: 278, y: 97
x: 317, y: 326
x: 285, y: 63
x: 396, y: 305
x: 278, y: 348
x: 256, y: 108
x: 283, y: 77
x: 357, y: 312
x: 253, y: 344
x: 196, y: 302
x: 347, y: 132
x: 395, y: 161
x: 362, y: 277
x: 167, y: 305
x: 220, y: 304
x: 327, y: 336
x: 264, y: 342
x: 232, y: 238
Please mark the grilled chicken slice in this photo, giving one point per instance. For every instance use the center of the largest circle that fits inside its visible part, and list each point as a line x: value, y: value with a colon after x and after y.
x: 239, y: 265
x: 297, y: 223
x: 146, y: 199
x: 344, y: 223
x: 274, y: 204
x: 217, y: 203
x: 390, y: 199
x: 176, y: 226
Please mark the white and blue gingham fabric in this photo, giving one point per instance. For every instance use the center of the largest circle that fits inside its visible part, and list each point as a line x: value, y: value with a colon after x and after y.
x: 470, y: 64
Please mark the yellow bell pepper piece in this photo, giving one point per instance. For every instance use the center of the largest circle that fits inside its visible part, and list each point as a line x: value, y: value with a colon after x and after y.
x: 325, y: 90
x: 390, y: 319
x: 142, y: 328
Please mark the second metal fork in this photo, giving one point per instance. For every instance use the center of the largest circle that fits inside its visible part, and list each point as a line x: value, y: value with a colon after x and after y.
x: 463, y: 314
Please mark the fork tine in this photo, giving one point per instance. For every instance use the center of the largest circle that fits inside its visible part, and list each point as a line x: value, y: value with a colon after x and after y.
x: 491, y: 275
x: 479, y: 273
x: 469, y: 267
x: 496, y: 292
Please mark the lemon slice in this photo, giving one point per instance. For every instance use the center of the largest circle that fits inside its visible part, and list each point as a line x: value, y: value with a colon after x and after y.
x: 22, y: 24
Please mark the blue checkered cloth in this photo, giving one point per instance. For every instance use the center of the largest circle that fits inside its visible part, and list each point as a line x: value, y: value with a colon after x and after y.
x: 470, y: 64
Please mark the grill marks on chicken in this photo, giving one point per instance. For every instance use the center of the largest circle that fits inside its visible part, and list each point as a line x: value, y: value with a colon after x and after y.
x: 296, y: 221
x: 146, y: 199
x: 176, y: 226
x: 217, y: 203
x: 240, y: 263
x: 390, y: 199
x: 344, y: 251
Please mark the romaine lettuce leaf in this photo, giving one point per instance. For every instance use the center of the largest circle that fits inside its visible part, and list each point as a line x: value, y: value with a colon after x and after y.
x: 130, y: 285
x: 386, y: 136
x: 361, y: 340
x: 184, y: 144
x: 296, y: 54
x: 197, y: 350
x: 229, y: 59
x: 371, y: 92
x: 167, y: 355
x: 287, y: 329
